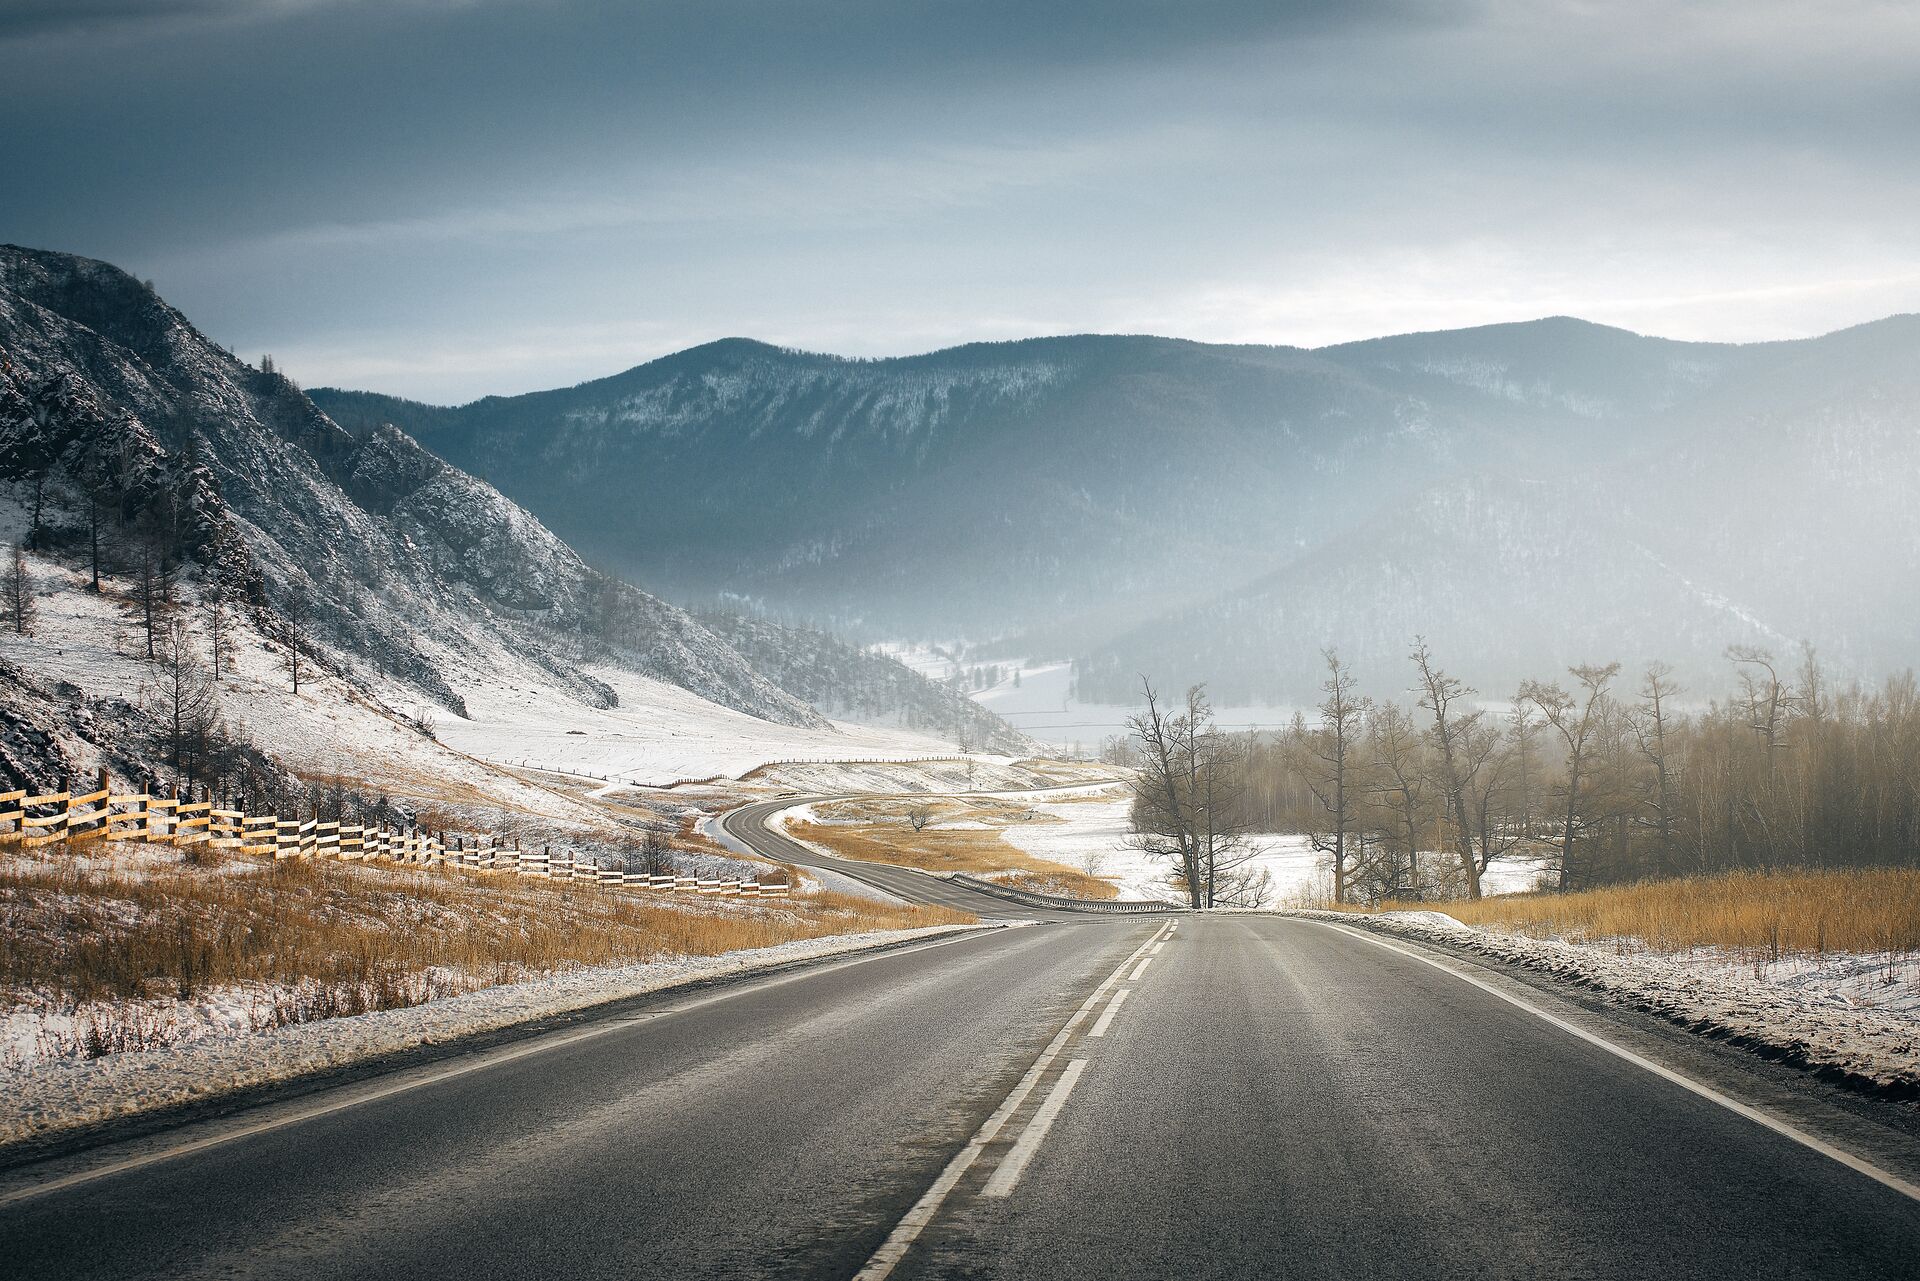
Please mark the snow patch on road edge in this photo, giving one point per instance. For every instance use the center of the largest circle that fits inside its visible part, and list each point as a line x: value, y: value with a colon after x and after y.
x: 1821, y: 1033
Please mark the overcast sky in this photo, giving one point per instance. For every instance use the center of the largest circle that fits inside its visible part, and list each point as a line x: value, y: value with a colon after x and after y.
x: 449, y: 198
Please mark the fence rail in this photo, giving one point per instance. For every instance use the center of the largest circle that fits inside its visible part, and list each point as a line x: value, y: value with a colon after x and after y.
x: 168, y: 818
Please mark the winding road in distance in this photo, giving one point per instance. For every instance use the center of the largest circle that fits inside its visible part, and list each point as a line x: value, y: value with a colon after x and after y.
x: 752, y: 825
x: 1177, y: 1095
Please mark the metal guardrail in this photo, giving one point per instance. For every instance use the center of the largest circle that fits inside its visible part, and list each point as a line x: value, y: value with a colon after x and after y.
x: 1027, y: 898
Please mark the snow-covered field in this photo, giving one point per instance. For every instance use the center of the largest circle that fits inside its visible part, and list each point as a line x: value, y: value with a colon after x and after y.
x: 1834, y: 1012
x: 658, y: 735
x: 1091, y: 836
x: 52, y: 1095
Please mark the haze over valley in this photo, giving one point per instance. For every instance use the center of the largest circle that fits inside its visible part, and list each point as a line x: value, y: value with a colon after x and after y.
x: 1218, y: 514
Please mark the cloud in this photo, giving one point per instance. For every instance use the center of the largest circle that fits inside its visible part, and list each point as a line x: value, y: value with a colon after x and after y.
x: 566, y: 185
x: 20, y: 19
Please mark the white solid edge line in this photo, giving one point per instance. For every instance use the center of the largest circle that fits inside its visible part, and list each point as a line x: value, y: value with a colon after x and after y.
x: 506, y: 1054
x: 1016, y: 1161
x: 1140, y: 969
x: 920, y: 1214
x: 1707, y: 1092
x: 1106, y: 1016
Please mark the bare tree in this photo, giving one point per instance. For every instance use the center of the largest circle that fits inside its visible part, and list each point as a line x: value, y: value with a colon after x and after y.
x: 1443, y: 697
x: 1574, y: 717
x: 1189, y: 804
x: 1164, y: 822
x: 155, y: 579
x: 100, y: 495
x: 1399, y: 788
x: 1226, y: 855
x: 654, y: 855
x: 36, y: 526
x: 183, y: 698
x: 1329, y: 756
x: 16, y: 586
x: 1650, y: 724
x: 1497, y: 783
x: 1762, y: 695
x: 293, y: 610
x: 215, y: 607
x: 41, y: 411
x: 919, y: 816
x: 1810, y: 698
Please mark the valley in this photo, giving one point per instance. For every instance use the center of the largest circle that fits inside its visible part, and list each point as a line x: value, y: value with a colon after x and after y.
x: 896, y: 641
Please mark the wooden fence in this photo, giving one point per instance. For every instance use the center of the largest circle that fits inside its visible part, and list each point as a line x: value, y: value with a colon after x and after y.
x: 173, y: 819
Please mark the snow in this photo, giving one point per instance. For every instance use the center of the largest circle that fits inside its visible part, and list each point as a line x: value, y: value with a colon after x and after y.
x: 327, y: 729
x: 1091, y: 836
x: 658, y: 735
x: 48, y: 1096
x: 1811, y: 1013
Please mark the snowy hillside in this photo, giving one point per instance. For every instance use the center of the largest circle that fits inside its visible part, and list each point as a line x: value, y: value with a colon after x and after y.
x: 873, y: 688
x: 133, y: 447
x: 1528, y: 494
x: 110, y: 400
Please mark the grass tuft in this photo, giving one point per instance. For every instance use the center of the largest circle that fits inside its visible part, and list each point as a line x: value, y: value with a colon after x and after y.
x: 309, y: 940
x: 1761, y: 913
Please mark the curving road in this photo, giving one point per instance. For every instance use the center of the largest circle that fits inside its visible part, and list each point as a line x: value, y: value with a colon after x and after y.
x: 750, y: 824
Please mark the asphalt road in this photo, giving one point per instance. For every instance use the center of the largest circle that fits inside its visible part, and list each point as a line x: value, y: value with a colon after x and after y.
x: 749, y: 824
x: 1269, y: 1098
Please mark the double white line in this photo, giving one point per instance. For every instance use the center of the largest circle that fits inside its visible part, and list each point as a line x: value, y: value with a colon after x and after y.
x: 915, y: 1221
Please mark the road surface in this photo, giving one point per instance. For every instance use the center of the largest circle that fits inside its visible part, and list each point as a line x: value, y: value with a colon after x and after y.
x: 1271, y: 1097
x: 750, y: 824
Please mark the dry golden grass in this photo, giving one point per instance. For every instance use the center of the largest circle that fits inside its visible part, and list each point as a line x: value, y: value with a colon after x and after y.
x: 979, y: 851
x: 1774, y: 913
x: 141, y: 922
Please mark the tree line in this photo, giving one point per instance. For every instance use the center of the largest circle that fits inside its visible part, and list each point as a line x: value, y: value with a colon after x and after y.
x: 1594, y: 778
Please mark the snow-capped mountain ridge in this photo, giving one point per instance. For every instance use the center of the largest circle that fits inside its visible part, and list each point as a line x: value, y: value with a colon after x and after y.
x: 1078, y: 495
x: 407, y: 573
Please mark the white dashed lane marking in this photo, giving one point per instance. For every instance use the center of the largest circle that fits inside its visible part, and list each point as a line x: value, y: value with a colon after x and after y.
x: 1016, y: 1163
x: 1106, y: 1015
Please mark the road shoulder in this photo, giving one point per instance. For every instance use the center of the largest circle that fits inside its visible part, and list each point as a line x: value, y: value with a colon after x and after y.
x: 59, y: 1108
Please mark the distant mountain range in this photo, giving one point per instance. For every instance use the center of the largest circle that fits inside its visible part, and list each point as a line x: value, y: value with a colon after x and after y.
x: 409, y: 574
x: 1525, y: 495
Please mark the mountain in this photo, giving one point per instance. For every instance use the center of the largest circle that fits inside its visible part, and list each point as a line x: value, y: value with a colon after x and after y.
x: 1527, y: 494
x: 1770, y: 506
x: 985, y: 488
x: 407, y: 576
x: 851, y: 683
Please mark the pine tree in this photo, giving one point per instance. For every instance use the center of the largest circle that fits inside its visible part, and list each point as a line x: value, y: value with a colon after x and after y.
x: 16, y: 586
